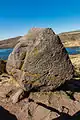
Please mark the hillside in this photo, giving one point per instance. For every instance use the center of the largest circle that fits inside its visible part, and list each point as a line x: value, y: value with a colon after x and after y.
x: 9, y: 43
x: 70, y: 39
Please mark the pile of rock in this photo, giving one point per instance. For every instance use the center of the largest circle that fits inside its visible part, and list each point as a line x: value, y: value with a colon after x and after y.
x: 39, y: 62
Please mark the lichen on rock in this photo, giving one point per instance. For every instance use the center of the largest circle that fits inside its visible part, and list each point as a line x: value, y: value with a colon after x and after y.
x: 40, y: 57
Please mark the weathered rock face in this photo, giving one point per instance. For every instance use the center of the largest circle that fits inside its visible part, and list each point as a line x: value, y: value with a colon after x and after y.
x: 40, y: 61
x: 44, y: 106
x: 52, y: 106
x: 2, y: 66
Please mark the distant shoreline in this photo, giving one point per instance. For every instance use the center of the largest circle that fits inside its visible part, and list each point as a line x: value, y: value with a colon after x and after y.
x: 9, y: 43
x: 69, y: 39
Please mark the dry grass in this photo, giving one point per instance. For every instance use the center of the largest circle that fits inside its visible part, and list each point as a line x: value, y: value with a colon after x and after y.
x: 75, y: 59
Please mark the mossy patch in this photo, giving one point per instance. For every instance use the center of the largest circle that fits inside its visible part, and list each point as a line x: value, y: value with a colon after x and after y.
x: 13, y: 81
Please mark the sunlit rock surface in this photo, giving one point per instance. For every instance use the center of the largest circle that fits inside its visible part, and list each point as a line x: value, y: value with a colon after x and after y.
x: 39, y: 61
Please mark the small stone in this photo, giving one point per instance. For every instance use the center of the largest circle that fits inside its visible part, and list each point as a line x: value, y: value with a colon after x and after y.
x: 77, y: 96
x: 17, y: 96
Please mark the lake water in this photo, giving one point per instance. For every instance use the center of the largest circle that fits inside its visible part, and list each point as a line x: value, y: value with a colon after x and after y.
x: 73, y: 50
x: 4, y: 53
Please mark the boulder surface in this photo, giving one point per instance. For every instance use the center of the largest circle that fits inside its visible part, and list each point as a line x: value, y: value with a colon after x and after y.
x: 40, y: 61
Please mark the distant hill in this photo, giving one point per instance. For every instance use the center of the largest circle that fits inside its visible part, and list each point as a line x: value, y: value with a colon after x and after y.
x: 70, y: 39
x: 9, y: 43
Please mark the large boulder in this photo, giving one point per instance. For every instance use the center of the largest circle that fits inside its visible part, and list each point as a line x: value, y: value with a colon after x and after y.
x: 40, y: 61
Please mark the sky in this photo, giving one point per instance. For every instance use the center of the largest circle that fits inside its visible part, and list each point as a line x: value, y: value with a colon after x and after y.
x: 18, y: 16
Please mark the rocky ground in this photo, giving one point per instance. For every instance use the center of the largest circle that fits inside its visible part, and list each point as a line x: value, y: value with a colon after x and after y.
x: 61, y: 104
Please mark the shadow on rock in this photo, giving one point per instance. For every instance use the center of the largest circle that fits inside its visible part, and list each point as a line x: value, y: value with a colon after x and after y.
x: 69, y: 87
x: 5, y: 115
x: 65, y: 116
x: 72, y: 86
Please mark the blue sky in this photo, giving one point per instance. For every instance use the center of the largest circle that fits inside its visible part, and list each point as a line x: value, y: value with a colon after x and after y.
x: 18, y: 16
